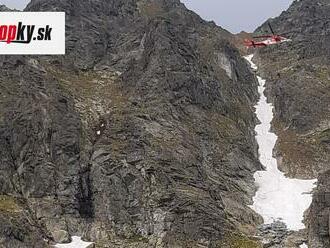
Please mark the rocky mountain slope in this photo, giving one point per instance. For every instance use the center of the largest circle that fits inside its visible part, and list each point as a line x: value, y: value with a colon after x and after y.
x: 298, y: 76
x: 140, y: 136
x: 4, y: 8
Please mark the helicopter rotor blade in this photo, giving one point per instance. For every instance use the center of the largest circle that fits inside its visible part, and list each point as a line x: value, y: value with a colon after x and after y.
x: 263, y: 36
x: 271, y: 29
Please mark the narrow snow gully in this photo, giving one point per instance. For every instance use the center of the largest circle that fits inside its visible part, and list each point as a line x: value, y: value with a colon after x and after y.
x: 76, y: 243
x: 277, y: 197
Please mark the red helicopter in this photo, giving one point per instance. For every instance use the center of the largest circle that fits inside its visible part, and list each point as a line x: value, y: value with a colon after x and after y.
x: 270, y: 40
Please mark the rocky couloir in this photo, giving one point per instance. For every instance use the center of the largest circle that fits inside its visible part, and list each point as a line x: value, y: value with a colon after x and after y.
x: 298, y: 74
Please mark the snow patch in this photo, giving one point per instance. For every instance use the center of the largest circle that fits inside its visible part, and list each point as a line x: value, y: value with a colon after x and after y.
x: 303, y: 246
x: 277, y: 197
x: 76, y: 243
x: 225, y: 64
x: 249, y: 59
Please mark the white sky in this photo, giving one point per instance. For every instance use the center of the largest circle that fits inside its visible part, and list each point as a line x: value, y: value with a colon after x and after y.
x: 233, y: 15
x: 238, y: 15
x: 15, y: 4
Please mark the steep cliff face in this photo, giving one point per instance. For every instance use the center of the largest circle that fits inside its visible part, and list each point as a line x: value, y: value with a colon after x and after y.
x: 141, y: 135
x: 298, y: 76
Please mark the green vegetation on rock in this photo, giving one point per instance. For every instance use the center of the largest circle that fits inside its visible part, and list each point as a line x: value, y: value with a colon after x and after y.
x: 8, y: 204
x: 239, y: 241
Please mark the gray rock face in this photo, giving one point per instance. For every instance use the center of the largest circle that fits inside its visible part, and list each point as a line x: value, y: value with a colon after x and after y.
x: 320, y: 212
x: 18, y: 228
x: 61, y: 236
x: 142, y: 135
x: 298, y: 76
x: 274, y: 234
x: 4, y: 8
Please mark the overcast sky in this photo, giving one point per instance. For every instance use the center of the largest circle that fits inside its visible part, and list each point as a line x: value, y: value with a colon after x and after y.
x: 238, y: 15
x: 234, y: 15
x: 15, y: 4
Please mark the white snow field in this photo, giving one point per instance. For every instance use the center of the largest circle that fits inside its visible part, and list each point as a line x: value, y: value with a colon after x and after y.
x: 277, y: 197
x: 76, y: 243
x: 303, y: 246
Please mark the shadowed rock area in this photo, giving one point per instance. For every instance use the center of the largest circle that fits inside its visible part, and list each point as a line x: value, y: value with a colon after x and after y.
x: 298, y: 75
x: 140, y: 136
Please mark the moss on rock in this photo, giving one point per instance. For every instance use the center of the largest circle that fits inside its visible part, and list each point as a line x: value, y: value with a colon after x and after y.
x: 9, y: 204
x: 239, y: 241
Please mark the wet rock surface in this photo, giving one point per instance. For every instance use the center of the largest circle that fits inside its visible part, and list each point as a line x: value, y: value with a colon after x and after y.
x: 140, y: 136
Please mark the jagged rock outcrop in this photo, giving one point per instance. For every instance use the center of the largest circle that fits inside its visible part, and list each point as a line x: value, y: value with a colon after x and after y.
x: 298, y: 74
x: 4, y: 8
x: 141, y: 135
